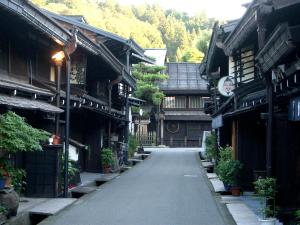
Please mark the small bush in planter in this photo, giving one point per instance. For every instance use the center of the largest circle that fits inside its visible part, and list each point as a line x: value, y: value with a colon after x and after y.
x: 210, y: 143
x: 132, y: 145
x: 107, y: 158
x: 228, y: 169
x: 265, y: 189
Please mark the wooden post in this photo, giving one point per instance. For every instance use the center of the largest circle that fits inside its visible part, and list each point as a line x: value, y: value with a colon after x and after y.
x: 233, y: 139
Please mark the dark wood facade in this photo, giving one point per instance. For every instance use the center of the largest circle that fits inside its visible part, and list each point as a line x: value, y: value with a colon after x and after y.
x: 99, y: 76
x: 259, y: 52
x: 184, y: 119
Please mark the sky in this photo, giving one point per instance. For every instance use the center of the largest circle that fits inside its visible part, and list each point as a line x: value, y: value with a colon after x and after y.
x: 219, y: 9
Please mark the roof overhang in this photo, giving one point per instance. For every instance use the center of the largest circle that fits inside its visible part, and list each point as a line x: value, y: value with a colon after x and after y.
x: 246, y: 25
x: 25, y: 103
x: 31, y: 14
x: 278, y: 45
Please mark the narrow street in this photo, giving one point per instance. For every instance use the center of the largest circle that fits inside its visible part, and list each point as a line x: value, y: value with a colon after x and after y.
x: 169, y: 188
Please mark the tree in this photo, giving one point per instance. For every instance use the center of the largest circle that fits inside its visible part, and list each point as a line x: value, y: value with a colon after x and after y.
x: 192, y: 55
x: 147, y: 82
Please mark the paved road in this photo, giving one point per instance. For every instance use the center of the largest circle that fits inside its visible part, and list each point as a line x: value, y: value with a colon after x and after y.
x: 169, y: 188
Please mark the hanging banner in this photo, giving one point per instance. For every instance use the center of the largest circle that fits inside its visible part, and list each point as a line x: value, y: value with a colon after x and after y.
x: 294, y: 109
x: 226, y: 86
x: 217, y: 122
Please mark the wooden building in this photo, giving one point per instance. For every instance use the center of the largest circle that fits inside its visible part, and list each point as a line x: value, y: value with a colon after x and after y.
x: 259, y: 119
x: 107, y: 88
x: 184, y: 120
x: 99, y: 76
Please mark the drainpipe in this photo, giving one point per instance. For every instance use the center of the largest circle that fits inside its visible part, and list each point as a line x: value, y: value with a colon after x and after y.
x: 68, y: 50
x: 110, y: 85
x: 261, y: 35
x: 126, y: 131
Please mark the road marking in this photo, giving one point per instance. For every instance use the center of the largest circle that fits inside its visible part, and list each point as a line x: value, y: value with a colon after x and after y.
x: 190, y: 175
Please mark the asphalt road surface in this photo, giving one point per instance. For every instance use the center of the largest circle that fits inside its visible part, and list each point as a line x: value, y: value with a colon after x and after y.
x: 169, y: 188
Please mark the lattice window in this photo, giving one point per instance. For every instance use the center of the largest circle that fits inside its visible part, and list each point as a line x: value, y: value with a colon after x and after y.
x: 195, y: 102
x: 175, y: 102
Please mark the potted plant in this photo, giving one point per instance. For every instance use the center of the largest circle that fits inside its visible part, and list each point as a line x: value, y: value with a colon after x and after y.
x: 228, y: 170
x: 265, y: 189
x: 2, y: 180
x: 297, y: 216
x: 106, y: 159
x: 16, y: 135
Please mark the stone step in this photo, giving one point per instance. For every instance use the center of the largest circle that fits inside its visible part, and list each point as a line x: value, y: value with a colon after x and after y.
x: 80, y: 191
x: 52, y: 206
x: 103, y: 178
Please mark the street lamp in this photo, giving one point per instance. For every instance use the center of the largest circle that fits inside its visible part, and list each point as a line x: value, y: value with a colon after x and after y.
x: 58, y: 58
x: 141, y: 114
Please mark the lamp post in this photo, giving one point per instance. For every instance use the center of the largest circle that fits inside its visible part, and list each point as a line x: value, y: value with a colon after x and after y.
x: 58, y: 59
x: 140, y: 115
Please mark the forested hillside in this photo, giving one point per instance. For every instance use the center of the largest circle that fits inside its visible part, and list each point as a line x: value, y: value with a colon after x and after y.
x: 185, y: 37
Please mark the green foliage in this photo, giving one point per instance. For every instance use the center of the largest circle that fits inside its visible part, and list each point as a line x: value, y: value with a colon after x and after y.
x: 192, y: 55
x: 107, y: 158
x: 72, y: 169
x: 227, y: 168
x: 17, y: 177
x: 17, y: 135
x: 132, y: 145
x: 3, y: 209
x: 265, y: 189
x: 297, y: 215
x: 150, y: 25
x: 147, y: 82
x: 210, y: 143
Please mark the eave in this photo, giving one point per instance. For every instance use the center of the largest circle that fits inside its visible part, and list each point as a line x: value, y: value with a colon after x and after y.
x: 31, y: 14
x: 246, y: 25
x: 278, y: 45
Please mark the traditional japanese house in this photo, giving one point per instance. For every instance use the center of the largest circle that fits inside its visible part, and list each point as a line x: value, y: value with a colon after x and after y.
x: 29, y: 81
x: 184, y: 119
x: 260, y: 118
x: 28, y: 40
x: 107, y: 87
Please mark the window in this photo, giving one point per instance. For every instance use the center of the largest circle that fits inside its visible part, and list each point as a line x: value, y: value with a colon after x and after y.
x: 3, y: 54
x: 195, y: 102
x: 175, y: 102
x: 241, y: 65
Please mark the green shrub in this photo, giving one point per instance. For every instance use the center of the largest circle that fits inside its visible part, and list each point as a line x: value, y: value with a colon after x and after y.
x: 265, y: 189
x: 297, y: 215
x: 107, y: 158
x: 17, y: 135
x: 210, y: 143
x: 228, y: 169
x: 132, y: 145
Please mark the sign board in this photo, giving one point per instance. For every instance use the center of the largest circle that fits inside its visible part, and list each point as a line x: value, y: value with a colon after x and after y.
x: 226, y: 86
x: 217, y: 122
x: 294, y: 109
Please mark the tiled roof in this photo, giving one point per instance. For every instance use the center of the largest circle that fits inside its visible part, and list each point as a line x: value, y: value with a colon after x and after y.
x: 183, y: 76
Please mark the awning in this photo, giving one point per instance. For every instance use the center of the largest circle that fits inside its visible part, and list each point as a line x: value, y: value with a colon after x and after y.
x: 29, y: 104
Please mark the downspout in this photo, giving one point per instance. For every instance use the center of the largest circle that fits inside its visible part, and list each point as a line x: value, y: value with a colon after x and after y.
x: 110, y: 85
x: 126, y: 131
x: 261, y: 35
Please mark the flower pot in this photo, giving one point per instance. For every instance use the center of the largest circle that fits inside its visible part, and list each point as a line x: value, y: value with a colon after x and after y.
x: 56, y: 140
x: 8, y: 182
x: 269, y: 221
x: 2, y: 183
x: 106, y: 169
x: 235, y: 191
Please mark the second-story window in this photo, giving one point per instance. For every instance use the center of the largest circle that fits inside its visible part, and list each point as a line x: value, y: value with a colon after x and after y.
x: 241, y: 65
x: 195, y: 102
x: 175, y: 102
